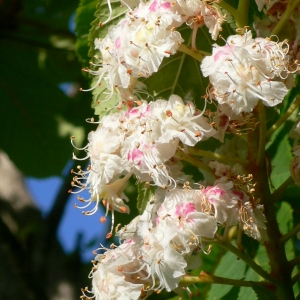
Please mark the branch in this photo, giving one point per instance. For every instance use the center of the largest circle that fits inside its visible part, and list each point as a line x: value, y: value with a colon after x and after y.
x: 294, y: 261
x: 247, y: 259
x: 277, y: 193
x: 204, y: 168
x: 197, y: 54
x: 205, y: 277
x: 54, y: 217
x: 262, y: 133
x: 216, y: 156
x: 285, y: 17
x: 296, y: 278
x: 290, y: 234
x: 286, y: 115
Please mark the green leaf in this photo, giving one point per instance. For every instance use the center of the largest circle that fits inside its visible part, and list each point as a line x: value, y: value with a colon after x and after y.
x: 285, y: 217
x: 144, y: 196
x: 281, y: 154
x: 232, y: 294
x: 262, y: 260
x: 84, y: 17
x: 263, y: 293
x: 102, y: 14
x: 285, y: 221
x: 229, y: 267
x: 181, y: 73
x: 100, y: 103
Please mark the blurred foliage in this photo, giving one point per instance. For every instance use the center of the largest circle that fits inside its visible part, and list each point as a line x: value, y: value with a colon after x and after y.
x: 39, y: 113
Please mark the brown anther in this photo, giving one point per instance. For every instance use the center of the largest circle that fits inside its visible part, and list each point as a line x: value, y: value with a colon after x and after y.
x: 123, y: 209
x: 109, y: 235
x: 69, y: 191
x: 129, y: 71
x: 198, y: 133
x: 168, y: 113
x: 168, y: 52
x: 102, y: 220
x: 100, y: 24
x: 80, y: 90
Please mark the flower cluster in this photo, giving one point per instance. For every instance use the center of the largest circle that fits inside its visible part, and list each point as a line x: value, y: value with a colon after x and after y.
x: 149, y: 141
x: 136, y: 46
x: 247, y: 70
x: 158, y: 247
x: 142, y: 141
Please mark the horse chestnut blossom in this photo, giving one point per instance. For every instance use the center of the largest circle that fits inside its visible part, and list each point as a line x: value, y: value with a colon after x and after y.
x: 140, y: 141
x: 156, y: 246
x: 136, y: 46
x: 246, y: 70
x: 204, y: 164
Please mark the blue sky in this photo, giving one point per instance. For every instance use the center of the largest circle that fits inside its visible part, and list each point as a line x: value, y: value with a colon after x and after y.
x: 44, y: 192
x: 73, y: 222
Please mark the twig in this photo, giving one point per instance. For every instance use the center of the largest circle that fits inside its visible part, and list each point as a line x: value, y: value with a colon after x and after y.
x: 290, y: 234
x: 205, y: 277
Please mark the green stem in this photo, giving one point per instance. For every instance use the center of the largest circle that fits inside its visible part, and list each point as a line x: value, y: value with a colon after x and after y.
x: 278, y: 192
x: 286, y: 115
x: 294, y: 262
x: 204, y: 168
x: 242, y: 11
x: 296, y: 278
x: 285, y: 17
x: 262, y: 133
x: 247, y: 259
x: 205, y: 277
x: 216, y: 156
x: 197, y: 54
x: 290, y: 234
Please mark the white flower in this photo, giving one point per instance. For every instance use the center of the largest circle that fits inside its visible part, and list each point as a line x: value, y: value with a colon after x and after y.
x: 220, y: 199
x: 181, y: 121
x: 180, y: 212
x: 111, y: 285
x: 246, y: 70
